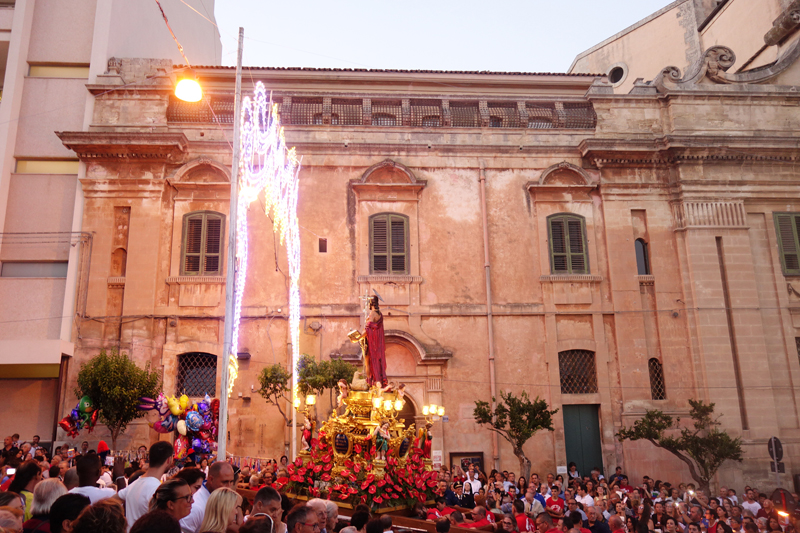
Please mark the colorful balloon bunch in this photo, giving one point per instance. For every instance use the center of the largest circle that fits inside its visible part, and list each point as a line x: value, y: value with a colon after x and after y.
x: 84, y: 416
x: 196, y: 424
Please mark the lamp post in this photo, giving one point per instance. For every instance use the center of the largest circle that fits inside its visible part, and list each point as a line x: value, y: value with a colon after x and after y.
x: 229, y: 351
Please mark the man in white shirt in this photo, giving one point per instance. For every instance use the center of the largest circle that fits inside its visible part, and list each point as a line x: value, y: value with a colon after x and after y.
x: 472, y: 479
x: 510, y: 482
x: 750, y: 502
x: 584, y: 497
x: 88, y: 468
x: 220, y: 475
x: 137, y: 496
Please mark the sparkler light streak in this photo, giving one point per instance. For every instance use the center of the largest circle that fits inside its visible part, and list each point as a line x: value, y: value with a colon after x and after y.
x: 267, y: 165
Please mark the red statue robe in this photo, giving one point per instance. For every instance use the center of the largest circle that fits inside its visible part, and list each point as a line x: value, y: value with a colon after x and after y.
x: 376, y: 344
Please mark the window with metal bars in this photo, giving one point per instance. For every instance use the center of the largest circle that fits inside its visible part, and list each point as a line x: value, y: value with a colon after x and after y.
x: 577, y: 371
x: 658, y: 390
x: 203, y: 236
x: 197, y: 374
x: 797, y: 344
x: 541, y: 116
x: 787, y: 228
x: 503, y: 115
x: 567, y: 236
x: 384, y: 119
x: 346, y: 112
x: 426, y: 113
x: 388, y: 243
x: 464, y: 115
x: 305, y: 111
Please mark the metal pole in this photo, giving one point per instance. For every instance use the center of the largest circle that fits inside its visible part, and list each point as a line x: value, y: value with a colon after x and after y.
x: 229, y: 351
x: 775, y: 461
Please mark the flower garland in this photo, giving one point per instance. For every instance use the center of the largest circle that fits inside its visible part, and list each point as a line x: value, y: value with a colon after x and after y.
x: 401, y: 485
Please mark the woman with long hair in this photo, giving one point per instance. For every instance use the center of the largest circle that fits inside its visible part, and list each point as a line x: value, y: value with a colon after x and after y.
x: 25, y: 480
x: 223, y: 512
x: 105, y: 516
x: 522, y: 485
x: 468, y: 500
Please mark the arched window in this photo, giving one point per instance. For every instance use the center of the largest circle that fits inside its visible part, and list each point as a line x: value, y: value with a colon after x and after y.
x: 577, y: 371
x: 567, y: 244
x: 388, y: 243
x: 658, y: 389
x: 203, y: 237
x: 383, y: 119
x: 642, y: 258
x: 197, y: 374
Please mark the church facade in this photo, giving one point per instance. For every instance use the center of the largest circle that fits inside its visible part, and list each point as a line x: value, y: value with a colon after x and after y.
x: 609, y: 253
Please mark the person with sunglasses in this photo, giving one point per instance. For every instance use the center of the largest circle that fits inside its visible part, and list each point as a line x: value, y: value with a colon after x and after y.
x: 302, y: 519
x: 175, y: 497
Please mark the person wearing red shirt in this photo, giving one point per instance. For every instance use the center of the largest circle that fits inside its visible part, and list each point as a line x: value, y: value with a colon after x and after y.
x: 479, y: 515
x: 555, y: 505
x: 435, y: 513
x: 616, y: 525
x: 524, y: 524
x: 544, y: 524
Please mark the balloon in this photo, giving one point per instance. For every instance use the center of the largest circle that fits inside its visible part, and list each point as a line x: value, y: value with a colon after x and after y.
x: 184, y: 402
x: 181, y: 427
x: 68, y: 425
x: 193, y: 421
x: 174, y: 405
x: 181, y: 448
x: 85, y: 405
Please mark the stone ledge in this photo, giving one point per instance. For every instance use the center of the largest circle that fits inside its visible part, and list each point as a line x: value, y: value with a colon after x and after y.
x: 389, y: 278
x: 571, y: 278
x: 116, y: 281
x: 646, y: 280
x: 180, y: 280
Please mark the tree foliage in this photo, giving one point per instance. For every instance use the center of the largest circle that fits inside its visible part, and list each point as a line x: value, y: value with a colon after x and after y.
x: 703, y: 447
x: 275, y: 386
x: 516, y: 419
x: 315, y: 377
x: 115, y: 383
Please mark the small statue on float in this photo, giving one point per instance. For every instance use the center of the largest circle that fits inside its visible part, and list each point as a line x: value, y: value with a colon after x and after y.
x: 381, y: 436
x: 307, y: 435
x: 373, y: 344
x: 425, y: 440
x: 344, y: 391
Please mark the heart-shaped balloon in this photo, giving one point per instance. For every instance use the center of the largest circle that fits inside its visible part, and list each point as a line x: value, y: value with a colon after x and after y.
x: 181, y: 427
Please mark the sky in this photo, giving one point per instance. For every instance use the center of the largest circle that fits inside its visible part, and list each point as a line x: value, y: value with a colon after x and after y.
x: 498, y: 35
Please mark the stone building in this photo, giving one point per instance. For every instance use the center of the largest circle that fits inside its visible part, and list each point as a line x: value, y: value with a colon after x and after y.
x: 49, y: 51
x: 642, y: 247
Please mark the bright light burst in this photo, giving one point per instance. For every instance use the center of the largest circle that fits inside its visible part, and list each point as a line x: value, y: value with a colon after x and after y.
x: 267, y: 165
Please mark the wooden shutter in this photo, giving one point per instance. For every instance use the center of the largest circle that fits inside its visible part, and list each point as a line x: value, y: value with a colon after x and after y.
x: 379, y: 239
x: 786, y: 227
x: 389, y: 244
x: 558, y: 246
x: 398, y: 225
x: 193, y: 244
x: 213, y: 248
x: 568, y: 245
x: 203, y: 238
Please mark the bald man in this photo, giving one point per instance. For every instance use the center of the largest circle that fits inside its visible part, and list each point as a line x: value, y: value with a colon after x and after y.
x: 220, y: 475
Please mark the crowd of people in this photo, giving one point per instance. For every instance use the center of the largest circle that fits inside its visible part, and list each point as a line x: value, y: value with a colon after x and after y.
x: 88, y: 490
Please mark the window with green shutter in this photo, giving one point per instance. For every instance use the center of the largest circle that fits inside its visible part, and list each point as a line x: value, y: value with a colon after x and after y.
x: 787, y: 228
x: 567, y: 238
x: 203, y: 237
x: 388, y: 244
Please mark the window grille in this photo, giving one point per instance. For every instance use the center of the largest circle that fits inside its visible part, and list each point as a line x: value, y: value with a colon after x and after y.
x: 578, y: 115
x: 464, y: 115
x: 568, y: 244
x: 304, y: 111
x: 197, y: 374
x: 787, y: 228
x: 388, y: 244
x: 426, y: 113
x: 180, y: 111
x: 642, y: 258
x: 541, y: 116
x: 386, y: 113
x: 316, y: 120
x: 503, y: 115
x: 203, y: 235
x: 577, y: 371
x: 797, y: 343
x: 657, y: 388
x: 347, y: 112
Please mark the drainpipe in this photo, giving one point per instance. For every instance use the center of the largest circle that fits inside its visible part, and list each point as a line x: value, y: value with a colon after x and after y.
x: 487, y: 267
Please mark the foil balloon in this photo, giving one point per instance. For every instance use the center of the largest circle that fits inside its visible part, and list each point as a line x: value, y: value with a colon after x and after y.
x: 181, y: 427
x: 184, y: 402
x: 68, y: 424
x: 174, y: 405
x: 166, y: 425
x: 194, y: 421
x: 181, y: 448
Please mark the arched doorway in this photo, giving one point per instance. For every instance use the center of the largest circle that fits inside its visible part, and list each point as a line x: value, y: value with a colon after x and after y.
x: 409, y: 412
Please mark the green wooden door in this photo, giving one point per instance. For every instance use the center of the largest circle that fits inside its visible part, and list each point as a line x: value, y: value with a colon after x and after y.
x: 582, y: 437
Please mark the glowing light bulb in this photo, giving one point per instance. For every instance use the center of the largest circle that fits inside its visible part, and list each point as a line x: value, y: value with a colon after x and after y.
x: 189, y: 90
x: 376, y: 402
x: 441, y: 411
x: 425, y: 410
x: 398, y: 405
x: 387, y: 405
x: 432, y: 409
x: 311, y: 399
x: 297, y: 403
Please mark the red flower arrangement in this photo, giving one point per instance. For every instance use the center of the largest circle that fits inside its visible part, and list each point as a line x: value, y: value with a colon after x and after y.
x: 357, y: 483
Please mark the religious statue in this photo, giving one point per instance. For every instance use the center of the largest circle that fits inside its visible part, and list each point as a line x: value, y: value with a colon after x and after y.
x: 424, y: 440
x: 382, y: 436
x: 373, y: 345
x: 308, y: 430
x: 344, y: 391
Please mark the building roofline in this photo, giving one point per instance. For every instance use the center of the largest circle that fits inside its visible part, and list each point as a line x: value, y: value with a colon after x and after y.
x: 388, y: 71
x: 627, y: 30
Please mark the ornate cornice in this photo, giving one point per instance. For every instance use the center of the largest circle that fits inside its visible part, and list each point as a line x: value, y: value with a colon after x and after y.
x: 129, y: 146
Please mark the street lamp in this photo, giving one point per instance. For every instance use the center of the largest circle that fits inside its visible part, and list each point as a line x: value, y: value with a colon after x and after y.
x: 311, y: 399
x: 188, y: 89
